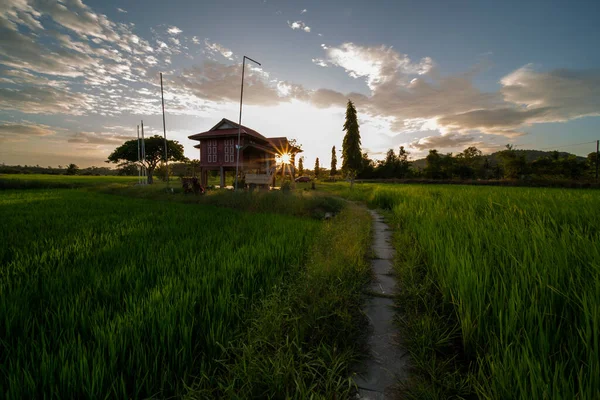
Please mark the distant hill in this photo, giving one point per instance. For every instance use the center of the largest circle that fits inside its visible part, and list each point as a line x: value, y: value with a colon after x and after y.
x: 530, y: 156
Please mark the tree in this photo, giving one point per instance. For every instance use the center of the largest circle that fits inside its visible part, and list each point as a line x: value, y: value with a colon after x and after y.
x: 514, y: 164
x: 155, y: 147
x: 127, y: 170
x: 333, y: 171
x: 351, y: 154
x: 317, y: 168
x: 72, y: 169
x: 403, y: 163
x: 301, y: 166
x: 433, y: 168
x: 466, y: 162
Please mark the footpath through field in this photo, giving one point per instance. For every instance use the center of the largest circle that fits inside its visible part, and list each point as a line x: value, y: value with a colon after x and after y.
x: 387, y: 363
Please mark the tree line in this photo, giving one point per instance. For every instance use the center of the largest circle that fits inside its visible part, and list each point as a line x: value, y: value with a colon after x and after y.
x: 471, y: 163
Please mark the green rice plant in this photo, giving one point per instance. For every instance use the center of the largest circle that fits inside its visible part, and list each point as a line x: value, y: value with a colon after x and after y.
x: 521, y: 269
x: 105, y: 296
x: 306, y: 335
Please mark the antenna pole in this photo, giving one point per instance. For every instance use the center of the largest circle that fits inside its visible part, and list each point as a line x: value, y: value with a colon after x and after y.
x: 162, y: 98
x: 145, y: 172
x: 139, y: 156
x: 237, y: 162
x: 597, y: 153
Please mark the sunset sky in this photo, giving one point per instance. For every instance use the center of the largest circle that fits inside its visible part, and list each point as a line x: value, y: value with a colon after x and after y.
x: 76, y: 78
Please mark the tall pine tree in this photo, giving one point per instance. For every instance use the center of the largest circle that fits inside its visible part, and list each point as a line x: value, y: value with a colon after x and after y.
x: 301, y: 166
x: 333, y: 162
x: 317, y: 168
x: 352, y: 157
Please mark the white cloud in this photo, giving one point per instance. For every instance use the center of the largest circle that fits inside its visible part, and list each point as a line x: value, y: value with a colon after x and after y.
x: 195, y: 40
x: 299, y: 25
x: 303, y: 11
x: 174, y: 30
x: 320, y: 62
x: 379, y: 65
x: 214, y: 48
x: 121, y: 10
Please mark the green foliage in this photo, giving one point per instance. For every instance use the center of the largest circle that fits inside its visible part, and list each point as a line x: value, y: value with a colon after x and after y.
x: 301, y: 166
x: 72, y: 169
x: 351, y: 152
x: 105, y: 296
x: 333, y: 170
x: 317, y: 171
x: 155, y: 148
x: 513, y: 164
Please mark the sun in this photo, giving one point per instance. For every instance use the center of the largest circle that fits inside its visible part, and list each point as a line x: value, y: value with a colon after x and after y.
x: 284, y: 158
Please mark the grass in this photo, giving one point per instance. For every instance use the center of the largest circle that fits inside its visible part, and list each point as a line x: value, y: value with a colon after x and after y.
x: 107, y: 296
x: 42, y: 181
x: 302, y: 203
x: 501, y: 288
x: 305, y: 336
x: 112, y: 290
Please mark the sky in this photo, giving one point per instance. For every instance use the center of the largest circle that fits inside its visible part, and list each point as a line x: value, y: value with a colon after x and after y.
x: 76, y: 78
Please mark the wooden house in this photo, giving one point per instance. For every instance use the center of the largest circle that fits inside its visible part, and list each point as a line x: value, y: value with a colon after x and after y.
x: 261, y: 158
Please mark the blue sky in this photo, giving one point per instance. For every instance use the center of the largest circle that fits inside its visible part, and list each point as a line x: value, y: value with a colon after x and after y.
x: 77, y: 77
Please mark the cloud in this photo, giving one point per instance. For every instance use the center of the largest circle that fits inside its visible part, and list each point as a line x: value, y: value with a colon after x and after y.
x: 174, y: 30
x: 214, y: 48
x: 564, y: 94
x: 299, y: 25
x: 500, y: 121
x: 378, y: 65
x: 44, y: 100
x: 443, y: 142
x: 320, y: 62
x: 195, y: 40
x: 102, y: 138
x: 22, y: 130
x: 216, y: 82
x: 303, y: 11
x: 121, y: 10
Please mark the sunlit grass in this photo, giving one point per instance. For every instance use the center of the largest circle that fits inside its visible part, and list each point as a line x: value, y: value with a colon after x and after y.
x: 520, y: 268
x: 107, y: 296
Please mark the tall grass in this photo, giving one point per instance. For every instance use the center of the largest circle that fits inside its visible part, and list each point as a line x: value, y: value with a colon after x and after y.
x: 42, y: 181
x: 521, y: 269
x: 305, y: 336
x: 104, y: 296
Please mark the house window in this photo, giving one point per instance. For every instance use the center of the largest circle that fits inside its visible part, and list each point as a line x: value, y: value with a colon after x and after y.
x: 211, y: 151
x: 229, y: 151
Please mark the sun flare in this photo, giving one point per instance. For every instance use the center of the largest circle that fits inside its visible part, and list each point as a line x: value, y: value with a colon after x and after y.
x: 284, y: 158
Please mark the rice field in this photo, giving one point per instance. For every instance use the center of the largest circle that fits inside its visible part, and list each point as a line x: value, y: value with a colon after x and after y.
x: 105, y: 296
x: 521, y: 268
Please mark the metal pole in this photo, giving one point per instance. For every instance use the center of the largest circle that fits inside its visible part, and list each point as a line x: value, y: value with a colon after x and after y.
x: 139, y: 167
x: 162, y: 97
x: 144, y: 172
x: 237, y: 162
x: 597, y: 152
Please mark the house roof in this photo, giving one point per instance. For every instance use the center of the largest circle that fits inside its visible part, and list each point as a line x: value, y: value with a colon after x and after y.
x: 216, y: 132
x: 282, y: 143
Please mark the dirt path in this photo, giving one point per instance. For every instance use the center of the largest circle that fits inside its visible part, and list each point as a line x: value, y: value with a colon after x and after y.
x: 388, y: 362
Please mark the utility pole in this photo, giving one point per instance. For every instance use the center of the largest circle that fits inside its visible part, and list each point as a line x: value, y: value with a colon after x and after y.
x: 144, y: 171
x: 597, y: 152
x: 139, y: 156
x: 162, y: 97
x: 237, y: 162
